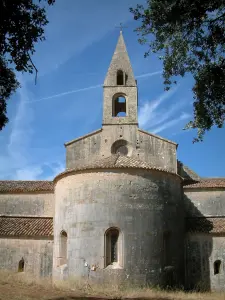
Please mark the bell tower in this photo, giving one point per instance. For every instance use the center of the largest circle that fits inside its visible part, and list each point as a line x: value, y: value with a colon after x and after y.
x: 120, y: 89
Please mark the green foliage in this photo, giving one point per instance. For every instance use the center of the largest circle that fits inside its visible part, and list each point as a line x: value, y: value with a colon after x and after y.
x: 21, y: 26
x: 189, y: 36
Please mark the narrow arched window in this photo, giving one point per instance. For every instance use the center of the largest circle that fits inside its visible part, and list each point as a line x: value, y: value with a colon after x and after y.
x: 112, y: 247
x: 63, y: 248
x: 119, y: 108
x: 21, y: 265
x: 217, y: 266
x: 120, y: 78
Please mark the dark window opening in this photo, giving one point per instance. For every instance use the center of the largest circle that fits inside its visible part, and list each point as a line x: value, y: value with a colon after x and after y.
x: 119, y: 107
x: 63, y: 234
x: 21, y: 265
x: 119, y: 77
x: 120, y: 147
x: 112, y: 237
x: 114, y: 245
x: 123, y: 150
x: 217, y: 265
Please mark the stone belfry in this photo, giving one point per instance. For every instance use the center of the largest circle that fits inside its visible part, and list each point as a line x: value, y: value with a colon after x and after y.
x: 120, y: 89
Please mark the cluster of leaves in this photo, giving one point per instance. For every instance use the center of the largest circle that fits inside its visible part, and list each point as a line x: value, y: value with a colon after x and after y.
x: 189, y: 36
x: 21, y: 26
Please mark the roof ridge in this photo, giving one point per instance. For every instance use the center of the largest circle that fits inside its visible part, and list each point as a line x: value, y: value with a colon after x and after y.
x: 22, y: 217
x: 39, y: 180
x: 115, y: 161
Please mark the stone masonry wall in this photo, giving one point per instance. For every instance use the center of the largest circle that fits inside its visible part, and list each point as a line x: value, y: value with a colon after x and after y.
x: 204, y: 202
x: 149, y: 148
x: 83, y: 149
x: 202, y: 250
x: 37, y: 255
x: 157, y: 151
x: 35, y: 204
x: 143, y: 205
x: 130, y: 94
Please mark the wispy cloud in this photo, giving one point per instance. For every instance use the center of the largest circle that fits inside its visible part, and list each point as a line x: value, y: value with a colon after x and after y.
x: 21, y: 130
x: 66, y: 93
x: 148, y: 111
x: 56, y: 168
x: 87, y: 88
x: 163, y: 113
x: 16, y: 154
x: 34, y: 172
x: 64, y: 37
x: 149, y: 74
x: 29, y: 172
x: 18, y: 161
x: 171, y: 123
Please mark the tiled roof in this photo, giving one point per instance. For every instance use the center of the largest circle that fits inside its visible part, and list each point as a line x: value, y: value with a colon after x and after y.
x: 115, y: 161
x: 206, y: 225
x: 186, y: 172
x: 26, y: 226
x: 207, y: 183
x: 7, y: 186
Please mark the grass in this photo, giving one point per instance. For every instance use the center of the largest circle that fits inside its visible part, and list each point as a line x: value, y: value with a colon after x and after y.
x: 19, y: 287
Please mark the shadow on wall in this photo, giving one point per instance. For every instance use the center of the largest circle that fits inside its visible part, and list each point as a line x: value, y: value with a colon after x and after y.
x: 198, y: 248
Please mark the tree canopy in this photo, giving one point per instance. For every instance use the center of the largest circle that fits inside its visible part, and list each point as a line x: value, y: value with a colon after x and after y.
x: 21, y: 26
x: 189, y: 37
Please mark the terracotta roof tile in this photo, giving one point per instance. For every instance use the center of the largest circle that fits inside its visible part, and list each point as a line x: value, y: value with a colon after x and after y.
x: 207, y: 183
x: 7, y: 186
x: 206, y: 224
x: 115, y: 161
x: 26, y: 226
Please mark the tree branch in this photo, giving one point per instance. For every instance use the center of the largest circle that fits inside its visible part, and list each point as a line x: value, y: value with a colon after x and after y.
x: 36, y: 70
x: 214, y: 20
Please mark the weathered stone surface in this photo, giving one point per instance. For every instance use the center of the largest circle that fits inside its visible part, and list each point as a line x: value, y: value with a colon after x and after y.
x: 148, y: 148
x: 202, y: 250
x: 37, y: 255
x: 205, y: 202
x: 142, y: 204
x: 27, y: 204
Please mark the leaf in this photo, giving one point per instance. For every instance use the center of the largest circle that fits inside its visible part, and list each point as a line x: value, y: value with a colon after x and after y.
x: 22, y: 25
x: 190, y: 38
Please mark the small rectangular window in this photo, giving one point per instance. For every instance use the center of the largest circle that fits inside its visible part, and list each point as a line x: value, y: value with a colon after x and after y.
x: 217, y: 266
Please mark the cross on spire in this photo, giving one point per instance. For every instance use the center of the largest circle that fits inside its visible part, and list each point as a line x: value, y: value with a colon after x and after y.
x: 121, y: 27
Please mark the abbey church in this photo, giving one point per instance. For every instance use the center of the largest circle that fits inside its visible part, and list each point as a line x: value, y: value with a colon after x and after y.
x: 124, y: 211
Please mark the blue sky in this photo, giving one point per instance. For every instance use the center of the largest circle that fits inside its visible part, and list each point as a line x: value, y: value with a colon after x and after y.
x: 67, y: 101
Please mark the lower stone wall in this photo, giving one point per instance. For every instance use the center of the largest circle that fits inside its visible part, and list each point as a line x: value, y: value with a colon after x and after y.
x: 37, y: 255
x: 202, y: 252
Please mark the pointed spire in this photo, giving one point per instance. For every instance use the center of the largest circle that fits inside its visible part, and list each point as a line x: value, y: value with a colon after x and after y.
x: 120, y: 47
x: 120, y: 61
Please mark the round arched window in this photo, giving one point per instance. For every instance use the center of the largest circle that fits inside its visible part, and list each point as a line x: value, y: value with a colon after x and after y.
x: 122, y: 150
x: 120, y: 147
